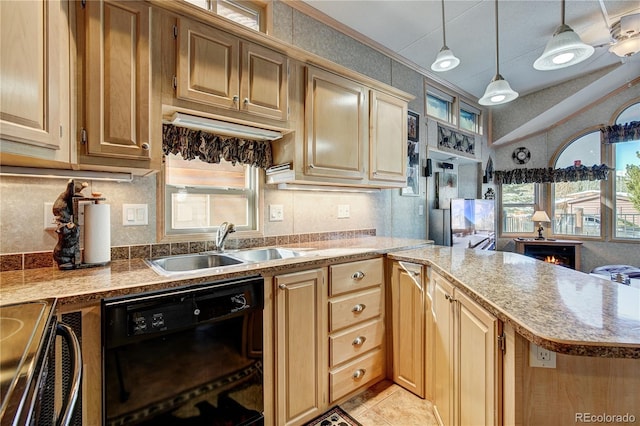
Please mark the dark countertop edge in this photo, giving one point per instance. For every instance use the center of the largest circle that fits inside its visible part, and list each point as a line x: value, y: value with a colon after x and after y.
x: 600, y: 350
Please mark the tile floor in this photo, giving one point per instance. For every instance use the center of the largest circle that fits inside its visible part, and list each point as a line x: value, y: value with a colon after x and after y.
x: 387, y: 404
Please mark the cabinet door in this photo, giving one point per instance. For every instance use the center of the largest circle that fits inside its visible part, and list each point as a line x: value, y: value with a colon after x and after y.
x: 388, y: 139
x: 443, y: 354
x: 264, y: 82
x: 119, y: 122
x: 301, y: 360
x: 207, y: 65
x: 34, y: 80
x: 478, y: 366
x: 408, y: 319
x: 336, y: 126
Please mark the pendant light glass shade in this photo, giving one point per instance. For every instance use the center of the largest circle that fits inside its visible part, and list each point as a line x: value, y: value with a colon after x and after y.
x: 498, y: 92
x: 563, y: 50
x: 445, y: 60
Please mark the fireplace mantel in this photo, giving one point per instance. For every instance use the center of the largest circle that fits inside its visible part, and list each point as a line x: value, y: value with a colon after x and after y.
x: 569, y: 249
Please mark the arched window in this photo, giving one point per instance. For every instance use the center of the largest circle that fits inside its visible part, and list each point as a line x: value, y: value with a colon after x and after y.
x: 577, y: 206
x: 626, y: 157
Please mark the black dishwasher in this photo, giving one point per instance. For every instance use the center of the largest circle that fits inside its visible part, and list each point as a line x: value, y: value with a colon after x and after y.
x: 185, y: 356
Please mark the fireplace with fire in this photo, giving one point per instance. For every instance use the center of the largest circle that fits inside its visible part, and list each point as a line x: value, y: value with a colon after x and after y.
x: 558, y: 252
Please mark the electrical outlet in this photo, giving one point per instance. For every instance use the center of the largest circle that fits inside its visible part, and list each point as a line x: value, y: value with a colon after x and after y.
x: 420, y: 210
x: 276, y: 213
x: 49, y: 218
x: 343, y: 211
x: 541, y: 357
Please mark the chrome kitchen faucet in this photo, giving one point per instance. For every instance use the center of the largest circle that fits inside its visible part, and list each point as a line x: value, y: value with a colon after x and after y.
x: 224, y: 230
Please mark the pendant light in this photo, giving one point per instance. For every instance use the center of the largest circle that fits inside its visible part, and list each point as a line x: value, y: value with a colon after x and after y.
x: 498, y: 91
x: 445, y: 60
x: 563, y: 50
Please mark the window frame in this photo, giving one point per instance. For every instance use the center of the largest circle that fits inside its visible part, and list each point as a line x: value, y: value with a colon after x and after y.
x: 456, y: 104
x: 164, y: 209
x: 260, y: 7
x: 611, y: 186
x: 538, y: 191
x: 550, y: 204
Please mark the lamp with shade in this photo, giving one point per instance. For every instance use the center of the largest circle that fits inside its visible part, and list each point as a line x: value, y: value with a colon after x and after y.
x: 540, y: 216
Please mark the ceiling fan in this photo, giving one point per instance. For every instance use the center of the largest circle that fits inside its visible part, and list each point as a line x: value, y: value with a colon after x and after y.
x: 625, y: 35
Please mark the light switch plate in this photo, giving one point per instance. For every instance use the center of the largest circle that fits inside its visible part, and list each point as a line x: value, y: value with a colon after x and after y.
x: 135, y: 214
x: 276, y: 213
x: 343, y: 211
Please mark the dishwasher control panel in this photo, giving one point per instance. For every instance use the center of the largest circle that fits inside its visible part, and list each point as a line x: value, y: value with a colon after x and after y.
x: 131, y: 317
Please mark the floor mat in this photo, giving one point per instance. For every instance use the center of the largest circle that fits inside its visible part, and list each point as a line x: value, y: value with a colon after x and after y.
x: 334, y: 417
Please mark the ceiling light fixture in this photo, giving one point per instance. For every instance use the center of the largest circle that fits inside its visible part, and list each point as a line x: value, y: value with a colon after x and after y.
x: 445, y: 60
x: 498, y: 91
x: 563, y: 50
x: 626, y: 33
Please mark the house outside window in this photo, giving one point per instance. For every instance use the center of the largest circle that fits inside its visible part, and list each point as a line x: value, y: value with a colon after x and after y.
x: 518, y: 204
x: 577, y: 206
x: 247, y: 13
x: 626, y: 157
x: 200, y: 196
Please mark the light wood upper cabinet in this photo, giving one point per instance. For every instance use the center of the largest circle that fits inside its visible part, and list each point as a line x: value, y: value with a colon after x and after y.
x: 466, y: 359
x: 34, y: 81
x: 300, y: 340
x: 336, y: 126
x: 218, y: 69
x: 387, y: 138
x: 121, y: 118
x: 408, y: 324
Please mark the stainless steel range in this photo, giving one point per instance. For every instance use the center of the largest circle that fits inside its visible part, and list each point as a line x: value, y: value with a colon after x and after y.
x: 27, y: 365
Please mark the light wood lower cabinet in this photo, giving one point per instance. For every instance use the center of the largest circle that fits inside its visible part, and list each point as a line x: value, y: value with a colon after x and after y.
x: 300, y: 346
x: 408, y: 314
x: 356, y: 326
x: 466, y: 358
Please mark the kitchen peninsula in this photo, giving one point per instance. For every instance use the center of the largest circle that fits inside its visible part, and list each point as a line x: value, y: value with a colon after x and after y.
x: 593, y: 325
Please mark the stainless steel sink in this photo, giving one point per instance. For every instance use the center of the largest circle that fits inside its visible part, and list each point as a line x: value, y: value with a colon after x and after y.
x: 192, y: 262
x: 263, y: 255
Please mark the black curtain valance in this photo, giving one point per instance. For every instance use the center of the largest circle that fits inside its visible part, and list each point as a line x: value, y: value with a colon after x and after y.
x: 620, y: 132
x: 210, y: 148
x: 549, y: 175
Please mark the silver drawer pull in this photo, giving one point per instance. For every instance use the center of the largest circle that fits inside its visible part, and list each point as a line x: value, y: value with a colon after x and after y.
x: 357, y: 276
x: 236, y: 98
x: 449, y: 298
x: 415, y: 273
x: 282, y: 287
x: 359, y: 373
x: 145, y: 146
x: 358, y: 341
x: 359, y: 307
x: 246, y: 101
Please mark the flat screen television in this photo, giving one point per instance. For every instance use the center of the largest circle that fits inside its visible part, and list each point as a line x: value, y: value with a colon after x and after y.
x: 473, y: 223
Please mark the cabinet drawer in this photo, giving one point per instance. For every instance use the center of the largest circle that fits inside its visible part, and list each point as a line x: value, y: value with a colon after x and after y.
x: 355, y: 341
x: 355, y: 276
x: 356, y: 374
x: 350, y: 310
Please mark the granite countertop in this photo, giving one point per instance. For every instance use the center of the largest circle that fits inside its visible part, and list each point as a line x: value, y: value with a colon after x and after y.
x: 81, y: 286
x: 563, y: 310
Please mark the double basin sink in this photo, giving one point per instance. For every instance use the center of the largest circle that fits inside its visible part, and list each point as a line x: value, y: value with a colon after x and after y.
x: 208, y: 260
